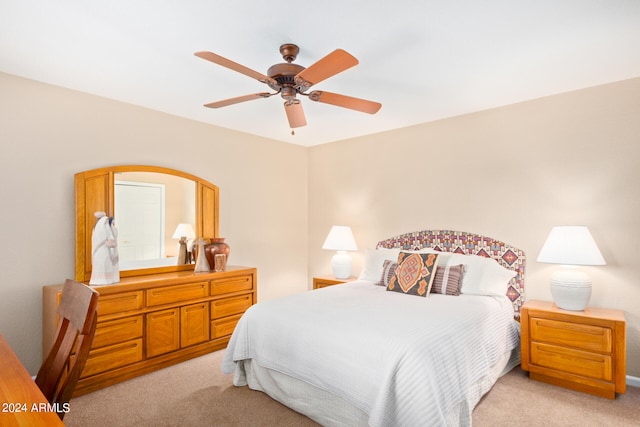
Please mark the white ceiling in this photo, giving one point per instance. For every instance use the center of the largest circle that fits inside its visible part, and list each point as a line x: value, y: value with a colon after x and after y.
x: 422, y: 59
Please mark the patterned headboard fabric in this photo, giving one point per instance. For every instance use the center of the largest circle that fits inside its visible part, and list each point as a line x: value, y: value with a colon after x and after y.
x: 470, y: 244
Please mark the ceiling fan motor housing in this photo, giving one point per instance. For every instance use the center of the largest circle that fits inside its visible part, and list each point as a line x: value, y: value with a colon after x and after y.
x: 284, y: 75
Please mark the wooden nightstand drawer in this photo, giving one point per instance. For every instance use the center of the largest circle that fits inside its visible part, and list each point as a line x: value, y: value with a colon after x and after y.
x: 323, y: 282
x: 586, y: 337
x: 593, y: 365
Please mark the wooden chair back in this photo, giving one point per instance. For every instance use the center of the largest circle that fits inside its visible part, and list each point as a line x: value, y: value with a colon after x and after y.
x: 60, y: 371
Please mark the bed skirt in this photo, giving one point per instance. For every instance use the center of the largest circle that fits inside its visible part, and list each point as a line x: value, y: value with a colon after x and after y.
x: 330, y: 410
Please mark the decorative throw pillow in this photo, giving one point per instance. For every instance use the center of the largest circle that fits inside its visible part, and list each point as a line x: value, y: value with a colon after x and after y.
x: 414, y: 274
x: 447, y: 279
x: 388, y: 270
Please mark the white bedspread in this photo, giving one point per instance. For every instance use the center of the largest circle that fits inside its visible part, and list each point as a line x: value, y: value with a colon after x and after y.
x: 402, y: 359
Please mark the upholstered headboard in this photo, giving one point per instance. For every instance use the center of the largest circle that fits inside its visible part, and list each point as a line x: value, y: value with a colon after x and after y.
x: 471, y: 244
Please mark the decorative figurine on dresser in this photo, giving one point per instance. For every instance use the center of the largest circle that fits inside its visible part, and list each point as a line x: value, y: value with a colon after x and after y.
x: 104, y: 251
x: 160, y: 312
x: 202, y: 264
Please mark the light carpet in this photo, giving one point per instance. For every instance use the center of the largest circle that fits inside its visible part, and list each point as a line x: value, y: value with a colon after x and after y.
x: 197, y: 393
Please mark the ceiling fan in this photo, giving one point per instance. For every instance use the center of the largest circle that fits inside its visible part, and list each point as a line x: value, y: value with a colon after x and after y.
x: 289, y: 80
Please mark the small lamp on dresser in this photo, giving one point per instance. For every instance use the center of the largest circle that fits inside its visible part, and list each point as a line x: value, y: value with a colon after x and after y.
x: 570, y: 246
x: 184, y: 232
x: 340, y: 239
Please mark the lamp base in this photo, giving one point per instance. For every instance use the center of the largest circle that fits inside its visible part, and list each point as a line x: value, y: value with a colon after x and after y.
x: 341, y: 265
x: 571, y: 289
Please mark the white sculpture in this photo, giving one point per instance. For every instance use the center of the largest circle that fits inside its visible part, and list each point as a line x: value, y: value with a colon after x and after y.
x: 202, y: 265
x: 105, y: 268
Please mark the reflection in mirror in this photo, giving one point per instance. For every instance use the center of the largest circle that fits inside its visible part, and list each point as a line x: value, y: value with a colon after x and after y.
x: 148, y: 208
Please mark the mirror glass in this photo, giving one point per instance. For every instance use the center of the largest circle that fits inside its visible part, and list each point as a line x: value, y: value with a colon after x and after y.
x: 148, y: 207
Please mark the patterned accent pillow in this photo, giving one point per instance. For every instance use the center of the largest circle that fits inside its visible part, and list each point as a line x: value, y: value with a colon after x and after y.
x: 447, y: 278
x: 388, y: 270
x: 414, y: 274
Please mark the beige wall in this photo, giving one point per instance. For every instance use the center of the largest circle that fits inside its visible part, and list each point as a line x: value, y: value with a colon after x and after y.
x: 48, y: 134
x: 511, y: 173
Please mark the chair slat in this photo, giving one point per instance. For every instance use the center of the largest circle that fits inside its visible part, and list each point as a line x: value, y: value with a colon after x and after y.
x: 59, y: 373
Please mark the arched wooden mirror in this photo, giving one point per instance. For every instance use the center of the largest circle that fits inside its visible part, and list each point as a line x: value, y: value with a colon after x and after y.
x: 142, y: 196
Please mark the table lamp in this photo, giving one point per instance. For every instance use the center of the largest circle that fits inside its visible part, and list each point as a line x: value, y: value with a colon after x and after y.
x: 184, y: 232
x: 340, y: 239
x: 570, y: 246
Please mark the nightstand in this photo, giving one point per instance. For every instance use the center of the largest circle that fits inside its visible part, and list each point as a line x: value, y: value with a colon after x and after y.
x: 580, y: 350
x: 324, y: 281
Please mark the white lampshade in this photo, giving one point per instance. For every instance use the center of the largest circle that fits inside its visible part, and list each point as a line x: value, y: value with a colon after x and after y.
x: 184, y: 230
x: 340, y: 239
x: 570, y: 246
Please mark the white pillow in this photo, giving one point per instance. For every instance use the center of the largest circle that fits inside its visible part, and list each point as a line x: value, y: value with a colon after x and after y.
x: 488, y: 278
x: 374, y: 262
x: 482, y: 276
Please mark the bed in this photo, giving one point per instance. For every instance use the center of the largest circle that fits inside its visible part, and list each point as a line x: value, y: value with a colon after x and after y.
x: 361, y: 353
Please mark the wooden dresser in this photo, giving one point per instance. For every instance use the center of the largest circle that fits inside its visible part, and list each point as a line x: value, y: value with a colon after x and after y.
x: 149, y: 322
x: 580, y: 350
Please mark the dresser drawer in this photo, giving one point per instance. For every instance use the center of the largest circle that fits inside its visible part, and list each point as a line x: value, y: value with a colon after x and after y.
x: 119, y: 330
x: 177, y: 293
x: 229, y: 306
x: 225, y: 326
x: 113, y: 356
x: 580, y: 336
x: 119, y: 303
x: 586, y: 364
x: 231, y: 284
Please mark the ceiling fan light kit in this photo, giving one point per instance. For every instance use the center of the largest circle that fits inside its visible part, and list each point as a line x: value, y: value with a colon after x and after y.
x: 290, y: 80
x: 295, y: 114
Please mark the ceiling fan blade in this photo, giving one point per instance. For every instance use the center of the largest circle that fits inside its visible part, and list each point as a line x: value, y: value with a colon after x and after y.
x: 344, y: 101
x: 237, y: 100
x: 217, y: 59
x: 332, y: 64
x: 295, y: 113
